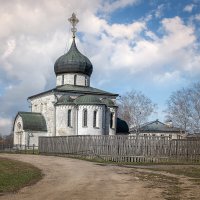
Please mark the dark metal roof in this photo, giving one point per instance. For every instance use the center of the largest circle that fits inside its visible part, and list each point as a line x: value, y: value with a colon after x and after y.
x: 73, y: 62
x: 33, y: 121
x: 83, y: 90
x: 157, y: 127
x: 83, y: 100
x: 77, y: 90
x: 122, y: 127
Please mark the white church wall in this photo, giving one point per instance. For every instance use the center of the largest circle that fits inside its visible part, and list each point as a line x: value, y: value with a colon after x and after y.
x: 73, y: 79
x: 82, y: 80
x: 89, y: 129
x: 33, y: 138
x: 22, y: 137
x: 45, y: 104
x: 62, y: 128
x: 58, y: 80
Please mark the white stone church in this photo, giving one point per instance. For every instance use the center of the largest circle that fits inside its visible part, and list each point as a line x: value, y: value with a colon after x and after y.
x: 73, y: 107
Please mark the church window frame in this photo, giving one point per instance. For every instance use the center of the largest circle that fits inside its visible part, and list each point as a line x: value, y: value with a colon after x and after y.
x: 112, y: 120
x: 75, y: 79
x: 85, y: 118
x: 63, y: 79
x: 69, y: 118
x: 95, y: 125
x: 86, y: 81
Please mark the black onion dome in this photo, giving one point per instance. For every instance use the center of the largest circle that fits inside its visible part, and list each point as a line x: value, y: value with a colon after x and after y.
x: 73, y: 62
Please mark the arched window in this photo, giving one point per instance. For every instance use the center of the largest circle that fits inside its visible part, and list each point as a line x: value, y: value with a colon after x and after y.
x: 95, y: 118
x: 84, y: 118
x: 63, y: 79
x: 111, y: 120
x: 69, y: 118
x: 75, y: 77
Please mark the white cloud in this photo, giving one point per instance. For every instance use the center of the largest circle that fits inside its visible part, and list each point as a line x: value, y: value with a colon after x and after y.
x: 5, y: 125
x: 144, y: 54
x: 110, y: 6
x: 197, y: 17
x: 189, y: 8
x: 167, y: 77
x: 159, y: 10
x: 36, y: 34
x: 125, y: 31
x: 11, y: 44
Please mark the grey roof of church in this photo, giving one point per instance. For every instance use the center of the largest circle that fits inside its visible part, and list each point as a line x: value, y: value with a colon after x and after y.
x: 157, y: 127
x: 88, y: 99
x: 76, y: 90
x: 83, y: 89
x: 108, y: 102
x: 85, y: 100
x: 73, y: 62
x: 65, y: 100
x: 33, y: 121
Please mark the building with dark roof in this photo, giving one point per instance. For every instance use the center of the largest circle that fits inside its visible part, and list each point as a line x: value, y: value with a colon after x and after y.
x: 157, y: 128
x: 73, y: 107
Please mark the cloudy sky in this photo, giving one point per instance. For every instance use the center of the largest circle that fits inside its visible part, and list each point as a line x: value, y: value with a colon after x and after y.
x: 151, y: 46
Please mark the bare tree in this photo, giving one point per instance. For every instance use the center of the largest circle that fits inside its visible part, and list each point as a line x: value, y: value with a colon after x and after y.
x: 184, y: 108
x: 135, y: 108
x: 194, y: 93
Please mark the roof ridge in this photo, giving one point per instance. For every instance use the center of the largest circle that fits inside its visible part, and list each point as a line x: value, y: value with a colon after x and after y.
x: 24, y: 112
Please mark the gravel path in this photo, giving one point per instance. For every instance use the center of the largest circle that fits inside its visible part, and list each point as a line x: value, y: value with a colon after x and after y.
x: 71, y: 179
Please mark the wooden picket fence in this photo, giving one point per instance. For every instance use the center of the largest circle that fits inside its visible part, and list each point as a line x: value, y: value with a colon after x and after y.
x: 122, y: 148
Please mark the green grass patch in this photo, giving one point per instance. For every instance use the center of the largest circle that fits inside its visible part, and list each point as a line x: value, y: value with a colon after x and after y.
x: 189, y: 171
x: 16, y: 174
x: 28, y: 151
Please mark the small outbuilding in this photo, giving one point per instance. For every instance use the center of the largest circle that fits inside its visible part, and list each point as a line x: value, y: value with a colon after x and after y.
x: 28, y: 127
x: 157, y: 128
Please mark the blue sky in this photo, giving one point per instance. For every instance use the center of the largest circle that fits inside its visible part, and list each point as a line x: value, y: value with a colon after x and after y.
x: 150, y: 46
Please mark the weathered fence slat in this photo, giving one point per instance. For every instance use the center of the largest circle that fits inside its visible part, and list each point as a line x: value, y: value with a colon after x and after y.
x: 123, y: 148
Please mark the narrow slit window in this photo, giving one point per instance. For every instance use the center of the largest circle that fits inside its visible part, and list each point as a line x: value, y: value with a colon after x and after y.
x: 111, y: 120
x: 95, y: 119
x: 69, y: 118
x: 84, y: 117
x: 75, y: 77
x: 86, y: 81
x: 63, y: 80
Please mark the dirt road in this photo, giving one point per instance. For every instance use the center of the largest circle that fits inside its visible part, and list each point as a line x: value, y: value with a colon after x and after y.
x: 71, y: 179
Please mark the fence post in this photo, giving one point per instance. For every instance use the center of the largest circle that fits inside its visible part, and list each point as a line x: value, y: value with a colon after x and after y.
x: 33, y: 148
x: 25, y: 149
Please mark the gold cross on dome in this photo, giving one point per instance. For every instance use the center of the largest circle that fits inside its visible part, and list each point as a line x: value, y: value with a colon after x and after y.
x: 73, y: 20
